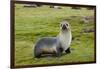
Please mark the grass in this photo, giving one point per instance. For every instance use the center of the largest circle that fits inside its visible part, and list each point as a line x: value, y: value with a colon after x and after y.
x: 34, y: 23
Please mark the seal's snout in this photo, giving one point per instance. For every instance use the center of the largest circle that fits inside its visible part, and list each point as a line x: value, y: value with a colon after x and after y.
x: 64, y: 27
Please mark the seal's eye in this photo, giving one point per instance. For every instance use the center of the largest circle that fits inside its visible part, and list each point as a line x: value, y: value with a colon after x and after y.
x: 66, y: 24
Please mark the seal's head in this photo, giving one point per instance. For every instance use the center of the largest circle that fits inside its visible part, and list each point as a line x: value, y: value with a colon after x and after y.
x: 64, y: 26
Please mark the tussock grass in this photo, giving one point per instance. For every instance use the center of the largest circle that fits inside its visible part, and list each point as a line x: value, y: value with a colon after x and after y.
x: 34, y: 23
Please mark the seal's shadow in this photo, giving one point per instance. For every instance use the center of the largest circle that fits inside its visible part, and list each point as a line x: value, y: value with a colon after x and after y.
x: 53, y: 55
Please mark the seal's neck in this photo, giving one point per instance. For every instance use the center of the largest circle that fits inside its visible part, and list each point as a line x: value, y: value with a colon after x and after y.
x: 65, y: 35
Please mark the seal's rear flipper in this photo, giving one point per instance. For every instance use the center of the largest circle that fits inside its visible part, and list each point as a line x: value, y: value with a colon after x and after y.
x: 68, y: 50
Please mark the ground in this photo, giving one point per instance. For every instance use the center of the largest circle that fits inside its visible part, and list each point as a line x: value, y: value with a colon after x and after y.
x: 34, y: 23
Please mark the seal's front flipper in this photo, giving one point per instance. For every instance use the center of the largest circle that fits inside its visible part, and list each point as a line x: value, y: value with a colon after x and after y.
x: 68, y: 50
x: 59, y: 51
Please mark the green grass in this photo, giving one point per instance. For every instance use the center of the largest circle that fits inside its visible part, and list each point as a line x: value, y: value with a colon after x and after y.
x: 34, y: 23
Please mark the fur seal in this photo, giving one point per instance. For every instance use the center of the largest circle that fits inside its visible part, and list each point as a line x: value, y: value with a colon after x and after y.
x: 55, y: 45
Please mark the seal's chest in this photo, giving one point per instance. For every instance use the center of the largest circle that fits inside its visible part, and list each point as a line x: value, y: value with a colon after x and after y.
x: 65, y: 40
